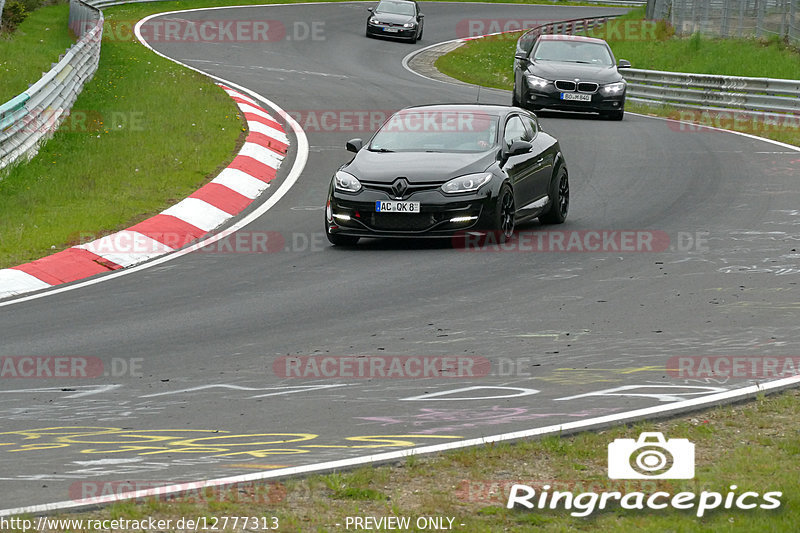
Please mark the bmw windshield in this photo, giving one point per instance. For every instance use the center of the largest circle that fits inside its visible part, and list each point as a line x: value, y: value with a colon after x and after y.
x: 573, y: 52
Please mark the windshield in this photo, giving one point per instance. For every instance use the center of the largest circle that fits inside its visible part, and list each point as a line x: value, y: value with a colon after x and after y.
x: 573, y: 52
x: 436, y: 131
x: 396, y: 8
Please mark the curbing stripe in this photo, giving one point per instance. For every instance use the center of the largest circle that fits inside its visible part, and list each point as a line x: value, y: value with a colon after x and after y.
x: 169, y: 230
x: 252, y: 118
x: 253, y: 167
x: 222, y: 198
x: 261, y: 154
x: 241, y: 182
x: 268, y: 130
x: 198, y: 213
x: 268, y: 142
x: 126, y: 248
x: 68, y: 265
x: 246, y: 108
x: 15, y: 282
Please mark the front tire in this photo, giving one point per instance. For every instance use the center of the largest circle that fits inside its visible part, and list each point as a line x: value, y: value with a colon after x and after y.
x: 505, y: 215
x: 559, y: 200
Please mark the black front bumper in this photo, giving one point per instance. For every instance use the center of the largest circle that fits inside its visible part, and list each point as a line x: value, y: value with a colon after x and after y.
x: 356, y: 215
x: 393, y: 32
x: 553, y: 100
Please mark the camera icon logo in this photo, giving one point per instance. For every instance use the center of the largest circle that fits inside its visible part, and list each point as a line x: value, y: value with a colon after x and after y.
x: 651, y: 457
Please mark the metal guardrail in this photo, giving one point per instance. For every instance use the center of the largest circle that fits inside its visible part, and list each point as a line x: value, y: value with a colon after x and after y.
x: 750, y: 96
x: 30, y: 118
x: 755, y: 95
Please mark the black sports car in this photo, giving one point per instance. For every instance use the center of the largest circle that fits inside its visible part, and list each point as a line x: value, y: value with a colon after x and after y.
x: 569, y: 73
x: 445, y: 170
x: 399, y: 19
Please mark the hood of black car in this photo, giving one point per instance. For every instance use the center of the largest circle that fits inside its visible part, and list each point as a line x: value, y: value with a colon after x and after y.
x: 386, y: 18
x: 417, y: 167
x: 556, y: 70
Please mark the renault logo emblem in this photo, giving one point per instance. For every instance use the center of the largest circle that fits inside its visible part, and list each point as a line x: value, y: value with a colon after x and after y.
x: 399, y: 187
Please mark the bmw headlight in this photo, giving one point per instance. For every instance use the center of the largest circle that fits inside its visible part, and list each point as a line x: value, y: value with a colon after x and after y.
x: 468, y: 183
x: 535, y: 82
x: 346, y: 182
x: 613, y: 88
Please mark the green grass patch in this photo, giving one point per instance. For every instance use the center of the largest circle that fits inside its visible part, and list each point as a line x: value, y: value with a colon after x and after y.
x: 752, y: 445
x: 32, y: 49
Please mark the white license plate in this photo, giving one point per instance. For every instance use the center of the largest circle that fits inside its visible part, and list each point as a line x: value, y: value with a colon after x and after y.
x: 576, y: 96
x: 382, y: 206
x: 391, y: 30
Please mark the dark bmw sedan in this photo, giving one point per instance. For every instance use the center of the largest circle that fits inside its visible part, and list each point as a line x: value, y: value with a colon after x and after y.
x: 399, y: 19
x: 445, y: 170
x: 570, y: 73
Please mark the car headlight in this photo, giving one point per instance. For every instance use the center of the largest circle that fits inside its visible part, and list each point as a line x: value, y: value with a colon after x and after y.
x: 468, y: 183
x: 408, y: 25
x: 613, y: 88
x: 346, y: 182
x: 535, y: 82
x: 373, y: 20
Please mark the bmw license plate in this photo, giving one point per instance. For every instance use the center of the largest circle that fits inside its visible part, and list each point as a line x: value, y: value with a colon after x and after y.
x: 576, y: 96
x: 391, y: 30
x: 383, y: 206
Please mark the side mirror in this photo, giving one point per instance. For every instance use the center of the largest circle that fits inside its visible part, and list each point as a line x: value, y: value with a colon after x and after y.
x: 623, y: 63
x: 420, y: 15
x: 518, y: 147
x: 522, y: 56
x: 371, y: 9
x: 354, y: 145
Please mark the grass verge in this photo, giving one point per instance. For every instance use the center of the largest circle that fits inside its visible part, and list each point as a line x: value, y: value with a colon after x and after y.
x: 32, y: 49
x: 754, y: 445
x: 647, y: 45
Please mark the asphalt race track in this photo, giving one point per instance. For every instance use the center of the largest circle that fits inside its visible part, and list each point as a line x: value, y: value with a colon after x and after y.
x: 190, y: 388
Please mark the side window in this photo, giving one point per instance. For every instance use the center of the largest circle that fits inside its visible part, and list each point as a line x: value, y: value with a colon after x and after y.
x: 532, y: 127
x: 515, y: 130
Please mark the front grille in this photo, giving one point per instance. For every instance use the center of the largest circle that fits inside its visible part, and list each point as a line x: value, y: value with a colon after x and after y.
x: 401, y: 221
x: 587, y: 87
x: 565, y: 85
x: 412, y: 188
